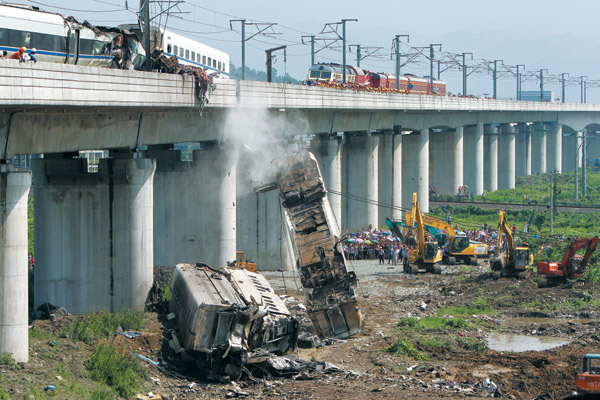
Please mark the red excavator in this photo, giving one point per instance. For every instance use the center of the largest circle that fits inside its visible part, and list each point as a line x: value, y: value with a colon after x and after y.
x: 572, y: 265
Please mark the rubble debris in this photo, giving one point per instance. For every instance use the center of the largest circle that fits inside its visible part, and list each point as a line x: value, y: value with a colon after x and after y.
x: 230, y: 320
x: 328, y: 286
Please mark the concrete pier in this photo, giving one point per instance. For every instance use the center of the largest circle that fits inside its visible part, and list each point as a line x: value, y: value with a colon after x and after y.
x: 386, y: 173
x: 521, y: 147
x: 415, y: 171
x: 361, y: 167
x: 195, y: 207
x: 328, y: 150
x: 473, y: 165
x: 506, y: 157
x: 554, y: 148
x: 490, y: 180
x: 538, y: 149
x: 14, y: 334
x: 397, y: 177
x: 103, y: 257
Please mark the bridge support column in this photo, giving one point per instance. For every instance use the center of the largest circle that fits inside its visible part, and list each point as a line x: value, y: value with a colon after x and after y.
x: 522, y: 151
x: 14, y: 334
x: 397, y: 177
x: 569, y: 145
x: 195, y: 212
x: 506, y: 158
x: 473, y: 170
x: 415, y: 168
x: 386, y: 175
x: 328, y: 151
x: 538, y: 149
x: 593, y: 146
x: 554, y: 148
x: 446, y: 161
x: 361, y: 156
x: 491, y: 159
x: 93, y: 233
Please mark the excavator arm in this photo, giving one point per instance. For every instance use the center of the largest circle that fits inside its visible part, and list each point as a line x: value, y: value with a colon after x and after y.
x: 439, y: 224
x: 503, y: 227
x: 417, y: 216
x: 590, y: 243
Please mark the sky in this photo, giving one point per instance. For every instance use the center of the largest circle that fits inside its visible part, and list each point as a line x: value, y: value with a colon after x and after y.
x: 559, y: 36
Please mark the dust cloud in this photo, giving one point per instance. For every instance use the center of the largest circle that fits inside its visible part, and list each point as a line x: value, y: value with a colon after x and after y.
x: 258, y: 138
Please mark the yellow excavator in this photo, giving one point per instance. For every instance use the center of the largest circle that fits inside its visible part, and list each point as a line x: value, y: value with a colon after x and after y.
x: 427, y: 255
x: 516, y: 261
x: 458, y: 248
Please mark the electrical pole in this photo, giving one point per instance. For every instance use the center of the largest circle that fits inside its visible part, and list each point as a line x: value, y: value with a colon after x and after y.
x: 583, y: 163
x: 358, y: 56
x: 542, y: 84
x: 398, y: 58
x: 431, y: 57
x: 439, y: 74
x: 270, y: 61
x: 464, y: 71
x: 261, y: 26
x: 344, y: 45
x: 496, y: 75
x: 312, y: 48
x: 563, y: 85
x: 519, y: 81
x: 552, y: 200
x: 582, y: 87
x: 145, y: 13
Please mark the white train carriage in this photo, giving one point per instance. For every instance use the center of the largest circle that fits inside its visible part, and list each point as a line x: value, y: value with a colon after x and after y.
x: 56, y: 38
x: 194, y: 53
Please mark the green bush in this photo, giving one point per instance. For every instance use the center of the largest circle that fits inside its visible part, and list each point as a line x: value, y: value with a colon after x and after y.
x: 403, y: 347
x: 102, y: 392
x: 431, y: 323
x: 7, y: 360
x: 122, y: 372
x: 101, y: 325
x: 592, y: 274
x: 166, y: 293
x: 471, y: 344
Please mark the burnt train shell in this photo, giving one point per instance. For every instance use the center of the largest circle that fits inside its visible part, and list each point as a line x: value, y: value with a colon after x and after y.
x: 328, y: 286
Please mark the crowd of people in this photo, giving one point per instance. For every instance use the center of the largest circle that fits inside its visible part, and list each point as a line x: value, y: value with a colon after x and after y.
x: 23, y: 55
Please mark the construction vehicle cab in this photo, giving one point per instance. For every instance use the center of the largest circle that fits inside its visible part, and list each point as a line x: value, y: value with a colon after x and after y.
x: 458, y: 247
x: 588, y: 379
x: 514, y: 262
x: 240, y: 261
x: 426, y: 255
x: 572, y: 265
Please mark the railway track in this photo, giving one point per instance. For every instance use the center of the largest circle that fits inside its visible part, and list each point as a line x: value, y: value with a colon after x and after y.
x: 512, y: 206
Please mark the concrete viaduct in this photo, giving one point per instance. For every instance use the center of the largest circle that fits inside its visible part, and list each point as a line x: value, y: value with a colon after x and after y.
x: 98, y: 235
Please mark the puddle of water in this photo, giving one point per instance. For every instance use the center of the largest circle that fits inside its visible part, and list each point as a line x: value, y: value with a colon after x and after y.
x: 527, y: 321
x: 521, y: 343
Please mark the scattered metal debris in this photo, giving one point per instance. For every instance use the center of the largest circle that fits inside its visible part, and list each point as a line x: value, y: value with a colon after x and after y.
x: 328, y: 286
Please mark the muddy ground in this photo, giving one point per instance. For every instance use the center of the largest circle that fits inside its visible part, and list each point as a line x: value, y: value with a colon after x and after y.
x: 448, y: 362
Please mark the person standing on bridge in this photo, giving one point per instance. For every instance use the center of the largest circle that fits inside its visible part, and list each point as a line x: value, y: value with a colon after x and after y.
x: 32, y: 55
x: 18, y: 54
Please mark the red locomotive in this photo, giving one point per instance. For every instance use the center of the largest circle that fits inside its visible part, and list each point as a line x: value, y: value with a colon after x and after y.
x: 330, y: 74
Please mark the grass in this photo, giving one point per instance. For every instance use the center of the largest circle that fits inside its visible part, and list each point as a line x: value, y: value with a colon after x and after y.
x: 592, y: 273
x: 471, y: 344
x: 102, y: 325
x: 121, y: 372
x: 403, y: 347
x: 7, y: 360
x: 480, y: 306
x: 3, y: 394
x: 431, y: 323
x: 434, y: 342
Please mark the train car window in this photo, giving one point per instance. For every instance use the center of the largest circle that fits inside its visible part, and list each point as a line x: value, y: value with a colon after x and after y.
x: 219, y: 65
x: 315, y: 74
x: 209, y: 62
x: 27, y: 42
x: 326, y: 75
x: 193, y: 56
x: 181, y: 52
x: 187, y: 54
x: 86, y: 46
x: 98, y: 48
x: 204, y: 60
x: 214, y: 63
x: 175, y: 49
x: 169, y: 48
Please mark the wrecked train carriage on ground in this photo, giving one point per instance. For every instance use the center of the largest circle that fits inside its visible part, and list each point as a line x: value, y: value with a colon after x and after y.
x: 328, y: 286
x: 230, y: 319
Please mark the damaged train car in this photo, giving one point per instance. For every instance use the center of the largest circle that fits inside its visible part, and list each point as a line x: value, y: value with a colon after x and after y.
x: 230, y: 320
x: 328, y: 286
